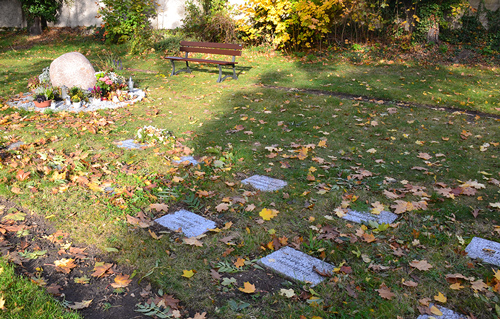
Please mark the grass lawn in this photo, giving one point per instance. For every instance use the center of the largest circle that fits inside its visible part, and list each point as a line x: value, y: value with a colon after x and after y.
x: 438, y: 170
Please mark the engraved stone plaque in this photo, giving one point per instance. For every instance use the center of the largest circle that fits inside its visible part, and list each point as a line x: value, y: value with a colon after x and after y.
x: 385, y: 217
x: 296, y: 265
x: 487, y: 250
x: 447, y: 314
x: 131, y: 145
x: 191, y: 225
x: 264, y: 183
x: 186, y: 159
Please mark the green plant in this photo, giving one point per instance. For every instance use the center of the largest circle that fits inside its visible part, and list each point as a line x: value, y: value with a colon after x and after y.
x: 126, y: 20
x: 210, y: 20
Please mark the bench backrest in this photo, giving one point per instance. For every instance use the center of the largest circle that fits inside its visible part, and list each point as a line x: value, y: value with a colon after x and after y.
x: 211, y: 48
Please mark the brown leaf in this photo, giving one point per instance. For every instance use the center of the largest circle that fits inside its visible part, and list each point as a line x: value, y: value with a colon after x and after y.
x: 368, y: 238
x: 421, y: 265
x: 215, y: 275
x: 22, y: 175
x: 193, y: 241
x: 78, y: 252
x: 222, y: 207
x: 53, y: 289
x: 199, y: 316
x: 410, y: 283
x: 64, y: 265
x: 227, y: 252
x: 121, y: 281
x: 159, y: 207
x: 240, y: 262
x: 101, y: 269
x: 80, y: 305
x: 142, y: 223
x: 385, y: 292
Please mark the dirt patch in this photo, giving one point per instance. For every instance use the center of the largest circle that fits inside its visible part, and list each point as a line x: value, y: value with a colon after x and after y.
x: 73, y: 273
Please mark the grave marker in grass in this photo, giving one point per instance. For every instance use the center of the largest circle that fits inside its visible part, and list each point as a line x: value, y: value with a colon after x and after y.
x: 131, y: 145
x: 297, y: 265
x: 385, y: 217
x: 439, y: 312
x: 264, y: 183
x: 487, y: 250
x: 191, y: 224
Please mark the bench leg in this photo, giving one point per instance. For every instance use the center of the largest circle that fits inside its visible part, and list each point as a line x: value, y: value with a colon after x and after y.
x: 187, y: 69
x: 220, y: 79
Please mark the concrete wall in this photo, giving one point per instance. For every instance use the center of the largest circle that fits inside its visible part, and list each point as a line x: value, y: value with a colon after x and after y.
x: 11, y: 14
x: 84, y: 12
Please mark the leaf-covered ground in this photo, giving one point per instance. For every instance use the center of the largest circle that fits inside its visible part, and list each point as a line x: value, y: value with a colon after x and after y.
x: 438, y: 170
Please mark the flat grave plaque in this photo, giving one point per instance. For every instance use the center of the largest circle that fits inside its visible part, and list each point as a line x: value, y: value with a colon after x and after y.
x: 131, y: 145
x: 192, y: 225
x: 190, y: 159
x: 264, y: 183
x: 15, y: 146
x: 296, y: 265
x: 385, y: 217
x: 487, y: 250
x: 447, y: 314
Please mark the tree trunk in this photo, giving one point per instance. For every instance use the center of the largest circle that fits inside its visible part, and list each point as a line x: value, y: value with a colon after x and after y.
x: 35, y: 26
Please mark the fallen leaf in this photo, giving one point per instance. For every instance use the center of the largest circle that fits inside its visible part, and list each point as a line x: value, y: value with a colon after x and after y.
x: 456, y: 286
x: 479, y: 285
x: 440, y: 297
x: 188, y: 273
x: 121, y: 281
x: 80, y: 305
x: 421, y: 265
x: 250, y: 208
x: 248, y: 288
x: 199, y: 316
x: 215, y: 275
x: 100, y: 269
x: 385, y: 292
x: 64, y: 265
x: 268, y: 214
x: 222, y: 207
x: 240, y: 262
x: 410, y: 283
x: 193, y: 241
x: 289, y: 293
x: 159, y: 207
x: 436, y: 311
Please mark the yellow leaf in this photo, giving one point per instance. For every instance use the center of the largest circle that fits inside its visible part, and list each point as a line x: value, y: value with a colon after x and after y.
x: 240, y: 262
x: 2, y: 303
x: 497, y: 274
x: 268, y: 214
x: 248, y: 288
x: 322, y: 143
x: 436, y: 311
x: 440, y: 297
x: 121, y: 281
x: 456, y: 286
x: 188, y: 273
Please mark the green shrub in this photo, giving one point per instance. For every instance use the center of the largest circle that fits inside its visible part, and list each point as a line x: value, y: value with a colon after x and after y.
x: 128, y: 20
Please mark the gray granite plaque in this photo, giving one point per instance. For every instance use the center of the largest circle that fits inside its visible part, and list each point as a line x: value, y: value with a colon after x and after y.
x: 131, y: 145
x: 487, y: 250
x: 264, y: 183
x: 15, y: 146
x: 296, y: 265
x: 192, y: 225
x: 447, y: 314
x: 189, y: 159
x: 359, y: 217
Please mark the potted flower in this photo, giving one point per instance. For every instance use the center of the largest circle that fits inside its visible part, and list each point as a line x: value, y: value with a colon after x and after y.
x: 44, y: 97
x: 77, y: 101
x: 77, y: 96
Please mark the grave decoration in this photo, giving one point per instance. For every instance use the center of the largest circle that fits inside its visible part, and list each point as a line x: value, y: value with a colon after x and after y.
x: 189, y: 223
x: 487, y: 250
x: 152, y: 135
x: 264, y: 183
x: 297, y: 265
x: 186, y: 160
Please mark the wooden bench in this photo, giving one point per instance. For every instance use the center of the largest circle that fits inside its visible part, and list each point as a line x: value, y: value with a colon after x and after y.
x: 211, y: 48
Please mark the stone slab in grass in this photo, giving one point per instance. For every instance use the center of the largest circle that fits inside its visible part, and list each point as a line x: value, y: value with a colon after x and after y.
x: 185, y: 159
x: 15, y: 146
x: 487, y: 250
x: 264, y: 183
x: 447, y: 314
x: 131, y: 145
x: 191, y: 224
x: 385, y: 217
x: 296, y: 265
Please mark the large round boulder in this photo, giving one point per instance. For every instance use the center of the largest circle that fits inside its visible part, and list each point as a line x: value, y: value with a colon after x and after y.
x: 72, y: 69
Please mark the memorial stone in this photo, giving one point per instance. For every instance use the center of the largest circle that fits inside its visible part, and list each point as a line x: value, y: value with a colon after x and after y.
x: 131, y: 145
x: 191, y: 225
x: 487, y: 250
x: 264, y: 183
x: 296, y: 265
x: 385, y: 217
x: 189, y: 159
x: 72, y: 69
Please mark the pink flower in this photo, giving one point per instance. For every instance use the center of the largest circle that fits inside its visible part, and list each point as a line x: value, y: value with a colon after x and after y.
x: 109, y: 82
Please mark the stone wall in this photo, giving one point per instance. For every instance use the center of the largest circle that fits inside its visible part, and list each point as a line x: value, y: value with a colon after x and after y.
x: 11, y: 14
